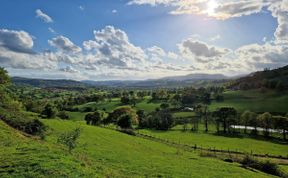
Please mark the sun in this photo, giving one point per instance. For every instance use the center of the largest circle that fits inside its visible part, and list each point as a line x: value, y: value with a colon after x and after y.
x: 211, y: 6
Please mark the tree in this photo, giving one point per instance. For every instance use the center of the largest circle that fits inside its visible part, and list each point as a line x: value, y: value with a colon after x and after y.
x: 162, y: 120
x: 245, y: 119
x: 142, y: 118
x: 125, y: 121
x: 118, y: 112
x: 69, y: 139
x: 49, y: 111
x: 265, y: 121
x: 254, y: 122
x: 281, y: 123
x: 225, y: 114
x: 4, y: 81
x: 95, y: 118
x: 63, y: 115
x: 125, y: 100
x: 164, y: 106
x: 4, y: 78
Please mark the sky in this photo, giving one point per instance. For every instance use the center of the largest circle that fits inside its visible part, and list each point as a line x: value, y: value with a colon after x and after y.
x: 141, y: 39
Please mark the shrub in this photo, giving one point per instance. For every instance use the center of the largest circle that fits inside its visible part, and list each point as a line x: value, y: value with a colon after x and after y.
x: 49, y: 111
x: 267, y: 166
x: 63, y: 115
x: 125, y: 122
x: 69, y: 139
x: 23, y: 123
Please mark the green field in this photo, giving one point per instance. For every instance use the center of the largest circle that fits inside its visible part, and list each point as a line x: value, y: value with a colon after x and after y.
x: 253, y: 101
x: 21, y: 156
x: 110, y: 106
x: 114, y: 154
x: 210, y: 140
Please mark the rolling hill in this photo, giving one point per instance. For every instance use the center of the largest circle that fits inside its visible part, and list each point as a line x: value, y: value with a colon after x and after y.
x: 272, y: 79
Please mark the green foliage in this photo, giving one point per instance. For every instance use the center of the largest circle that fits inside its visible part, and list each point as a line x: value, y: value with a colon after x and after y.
x: 266, y: 166
x: 272, y: 79
x: 4, y: 78
x: 164, y: 105
x: 63, y: 115
x: 120, y: 111
x: 226, y: 116
x: 249, y: 118
x: 22, y: 122
x: 265, y: 121
x: 281, y: 123
x: 95, y: 118
x: 162, y: 120
x: 69, y: 139
x: 125, y: 121
x: 49, y: 111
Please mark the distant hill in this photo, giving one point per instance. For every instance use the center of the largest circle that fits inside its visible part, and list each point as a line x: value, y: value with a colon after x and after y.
x: 197, y: 80
x: 272, y: 79
x: 45, y: 83
x: 196, y: 77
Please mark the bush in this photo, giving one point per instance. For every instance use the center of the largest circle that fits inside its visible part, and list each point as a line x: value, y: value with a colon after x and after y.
x: 49, y: 111
x: 125, y: 122
x: 267, y: 166
x: 23, y: 123
x: 63, y: 115
x: 69, y: 138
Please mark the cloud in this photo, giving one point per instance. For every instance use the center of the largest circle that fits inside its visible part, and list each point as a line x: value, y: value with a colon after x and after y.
x: 112, y: 47
x: 82, y: 8
x: 52, y: 30
x: 18, y: 41
x: 64, y: 44
x: 215, y: 38
x: 114, y: 11
x: 221, y: 10
x: 69, y: 69
x: 191, y: 47
x: 111, y: 55
x: 46, y: 18
x: 280, y: 11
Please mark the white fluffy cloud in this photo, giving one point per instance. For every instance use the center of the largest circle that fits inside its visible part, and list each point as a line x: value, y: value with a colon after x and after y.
x: 64, y: 44
x: 112, y: 47
x: 19, y: 41
x: 46, y: 18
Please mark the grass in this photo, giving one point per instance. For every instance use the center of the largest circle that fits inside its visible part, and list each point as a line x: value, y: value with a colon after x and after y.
x: 209, y: 140
x: 256, y: 101
x: 21, y: 156
x: 131, y: 156
x: 184, y: 114
x: 76, y: 116
x: 146, y: 106
x: 110, y: 106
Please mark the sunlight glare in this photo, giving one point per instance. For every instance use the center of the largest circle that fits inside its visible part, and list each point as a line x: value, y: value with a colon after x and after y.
x: 211, y: 6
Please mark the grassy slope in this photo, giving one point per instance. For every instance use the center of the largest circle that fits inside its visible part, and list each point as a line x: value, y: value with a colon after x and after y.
x: 221, y: 142
x: 110, y: 106
x: 254, y: 101
x: 21, y: 156
x: 133, y: 156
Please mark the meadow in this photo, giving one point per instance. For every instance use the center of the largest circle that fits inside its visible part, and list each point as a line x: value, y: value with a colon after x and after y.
x: 253, y: 100
x: 211, y: 140
x: 130, y: 156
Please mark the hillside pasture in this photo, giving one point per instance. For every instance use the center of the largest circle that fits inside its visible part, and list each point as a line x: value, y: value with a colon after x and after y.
x: 269, y: 101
